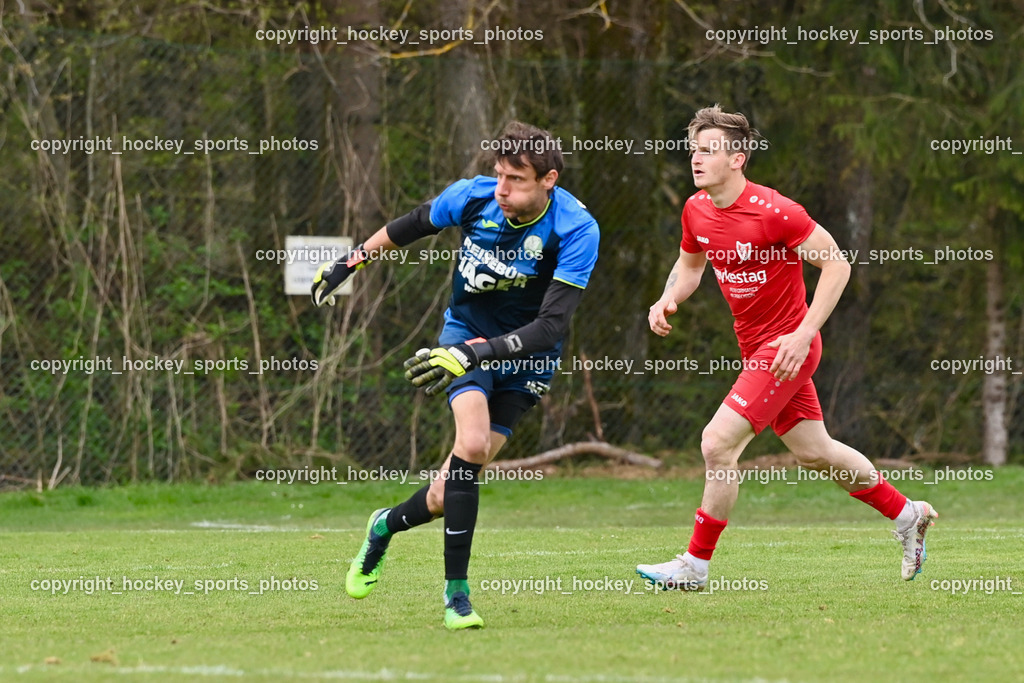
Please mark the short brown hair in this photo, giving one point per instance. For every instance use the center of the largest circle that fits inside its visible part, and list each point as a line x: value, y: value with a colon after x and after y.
x: 735, y: 128
x: 522, y: 145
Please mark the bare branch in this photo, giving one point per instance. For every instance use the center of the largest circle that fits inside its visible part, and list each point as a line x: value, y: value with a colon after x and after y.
x: 589, y: 447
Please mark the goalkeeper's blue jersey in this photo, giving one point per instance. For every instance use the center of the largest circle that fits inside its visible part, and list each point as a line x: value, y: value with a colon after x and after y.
x: 504, y: 269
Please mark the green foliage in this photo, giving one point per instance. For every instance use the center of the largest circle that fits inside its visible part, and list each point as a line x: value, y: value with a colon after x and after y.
x: 152, y: 254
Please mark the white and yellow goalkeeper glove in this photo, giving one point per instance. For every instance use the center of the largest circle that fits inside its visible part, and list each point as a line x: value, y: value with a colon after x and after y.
x: 437, y: 368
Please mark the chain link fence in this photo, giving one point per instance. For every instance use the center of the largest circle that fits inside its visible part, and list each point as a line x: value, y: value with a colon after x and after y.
x: 144, y: 333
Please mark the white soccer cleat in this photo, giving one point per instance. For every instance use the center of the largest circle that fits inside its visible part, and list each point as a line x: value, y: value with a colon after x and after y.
x: 912, y: 539
x: 677, y: 574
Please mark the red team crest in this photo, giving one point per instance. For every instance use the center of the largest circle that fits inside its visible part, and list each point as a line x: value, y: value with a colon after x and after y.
x: 743, y: 250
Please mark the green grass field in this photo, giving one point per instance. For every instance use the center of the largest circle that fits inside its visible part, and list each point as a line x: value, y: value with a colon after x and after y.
x: 829, y: 603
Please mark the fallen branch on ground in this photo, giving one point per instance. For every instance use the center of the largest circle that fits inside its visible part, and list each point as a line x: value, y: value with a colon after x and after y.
x: 588, y: 447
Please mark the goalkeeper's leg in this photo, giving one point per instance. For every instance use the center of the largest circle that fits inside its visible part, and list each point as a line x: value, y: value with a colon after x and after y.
x: 481, y: 428
x: 428, y: 502
x: 458, y: 496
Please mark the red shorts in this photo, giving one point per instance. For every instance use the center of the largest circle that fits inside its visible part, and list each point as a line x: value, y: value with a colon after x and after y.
x: 764, y: 400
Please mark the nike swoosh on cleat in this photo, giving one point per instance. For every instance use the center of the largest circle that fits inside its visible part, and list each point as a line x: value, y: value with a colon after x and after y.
x: 454, y: 533
x: 405, y: 521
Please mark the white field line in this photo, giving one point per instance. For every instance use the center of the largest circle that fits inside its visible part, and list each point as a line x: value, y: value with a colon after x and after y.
x: 222, y: 671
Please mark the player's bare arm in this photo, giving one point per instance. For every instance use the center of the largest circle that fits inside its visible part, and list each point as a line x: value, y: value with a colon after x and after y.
x: 681, y: 283
x: 379, y: 242
x: 821, y: 251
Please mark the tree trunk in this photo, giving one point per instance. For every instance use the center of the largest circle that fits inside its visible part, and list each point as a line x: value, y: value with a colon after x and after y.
x: 846, y: 404
x: 993, y: 392
x: 468, y: 118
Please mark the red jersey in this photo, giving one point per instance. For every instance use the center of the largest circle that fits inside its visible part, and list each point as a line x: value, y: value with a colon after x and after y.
x: 750, y: 246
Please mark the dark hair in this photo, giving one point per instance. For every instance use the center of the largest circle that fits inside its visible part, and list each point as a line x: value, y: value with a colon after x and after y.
x: 735, y: 128
x: 522, y: 145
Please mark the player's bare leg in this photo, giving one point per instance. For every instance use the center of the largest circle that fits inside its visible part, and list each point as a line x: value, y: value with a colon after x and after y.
x: 722, y: 443
x: 815, y: 449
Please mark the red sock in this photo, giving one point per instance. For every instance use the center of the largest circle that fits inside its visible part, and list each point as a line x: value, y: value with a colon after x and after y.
x: 884, y: 497
x: 706, y: 530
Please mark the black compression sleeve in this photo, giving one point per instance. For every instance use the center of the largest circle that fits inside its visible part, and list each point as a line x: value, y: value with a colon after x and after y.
x: 406, y: 229
x: 551, y: 324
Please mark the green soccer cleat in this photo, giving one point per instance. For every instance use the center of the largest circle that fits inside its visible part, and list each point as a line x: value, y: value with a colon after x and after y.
x: 364, y: 572
x: 459, y: 614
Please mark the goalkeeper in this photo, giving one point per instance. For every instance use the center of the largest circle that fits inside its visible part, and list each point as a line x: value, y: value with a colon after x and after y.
x: 526, y: 252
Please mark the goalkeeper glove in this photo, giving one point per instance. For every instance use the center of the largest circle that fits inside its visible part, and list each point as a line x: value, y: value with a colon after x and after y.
x: 331, y: 276
x: 441, y: 366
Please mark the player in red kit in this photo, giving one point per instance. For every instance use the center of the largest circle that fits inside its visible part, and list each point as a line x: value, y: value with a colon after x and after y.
x: 756, y: 241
